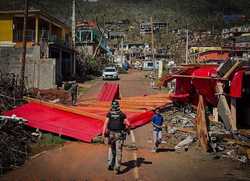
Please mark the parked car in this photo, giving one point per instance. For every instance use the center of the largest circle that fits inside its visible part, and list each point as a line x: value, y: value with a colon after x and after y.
x: 110, y: 73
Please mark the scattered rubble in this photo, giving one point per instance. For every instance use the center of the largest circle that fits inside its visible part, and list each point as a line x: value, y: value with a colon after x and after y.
x: 184, y: 143
x: 15, y: 142
x: 52, y: 95
x: 181, y: 134
x: 9, y: 91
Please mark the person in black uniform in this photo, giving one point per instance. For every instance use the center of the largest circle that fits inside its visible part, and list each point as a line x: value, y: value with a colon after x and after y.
x: 74, y: 92
x: 115, y: 128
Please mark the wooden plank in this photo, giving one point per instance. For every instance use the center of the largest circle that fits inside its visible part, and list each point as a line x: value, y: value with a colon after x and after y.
x: 165, y: 95
x: 139, y: 104
x: 201, y: 124
x: 215, y: 115
x: 234, y: 114
x: 199, y: 77
x: 223, y: 108
x: 224, y: 112
x: 70, y: 109
x: 187, y: 130
x: 236, y: 65
x: 148, y: 98
x: 142, y: 107
x: 106, y: 109
x: 137, y: 107
x: 87, y: 99
x: 145, y: 101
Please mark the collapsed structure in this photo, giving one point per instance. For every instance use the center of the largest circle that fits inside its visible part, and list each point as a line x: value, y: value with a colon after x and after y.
x: 221, y: 89
x: 85, y: 121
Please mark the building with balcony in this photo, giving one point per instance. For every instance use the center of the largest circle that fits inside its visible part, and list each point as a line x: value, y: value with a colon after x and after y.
x: 40, y: 26
x: 91, y: 40
x: 48, y: 40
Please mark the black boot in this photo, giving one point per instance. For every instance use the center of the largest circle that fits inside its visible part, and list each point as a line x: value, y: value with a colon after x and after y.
x: 110, y: 167
x: 117, y: 171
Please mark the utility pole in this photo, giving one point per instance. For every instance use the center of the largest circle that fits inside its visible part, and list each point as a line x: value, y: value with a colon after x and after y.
x: 74, y: 22
x: 187, y: 39
x: 74, y: 33
x: 122, y: 53
x: 152, y: 41
x: 26, y: 8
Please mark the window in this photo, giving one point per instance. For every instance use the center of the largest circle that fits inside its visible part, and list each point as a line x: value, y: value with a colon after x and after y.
x: 150, y: 64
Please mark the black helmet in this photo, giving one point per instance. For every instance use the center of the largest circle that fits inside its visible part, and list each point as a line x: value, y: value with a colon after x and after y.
x: 115, y: 106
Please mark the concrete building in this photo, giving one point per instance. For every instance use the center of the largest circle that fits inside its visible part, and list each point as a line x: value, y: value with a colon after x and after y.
x: 145, y: 27
x: 88, y: 38
x: 48, y: 40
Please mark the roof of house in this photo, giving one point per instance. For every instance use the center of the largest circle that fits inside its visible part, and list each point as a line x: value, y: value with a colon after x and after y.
x: 36, y: 12
x: 242, y: 39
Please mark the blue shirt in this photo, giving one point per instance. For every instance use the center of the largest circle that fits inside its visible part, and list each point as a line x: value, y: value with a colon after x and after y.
x: 157, y: 120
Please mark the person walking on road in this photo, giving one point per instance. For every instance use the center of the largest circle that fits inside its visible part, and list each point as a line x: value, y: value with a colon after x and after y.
x: 115, y: 128
x: 152, y: 80
x: 74, y: 92
x: 157, y: 122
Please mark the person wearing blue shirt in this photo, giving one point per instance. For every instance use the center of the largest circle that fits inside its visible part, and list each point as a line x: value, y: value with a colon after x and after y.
x: 157, y: 122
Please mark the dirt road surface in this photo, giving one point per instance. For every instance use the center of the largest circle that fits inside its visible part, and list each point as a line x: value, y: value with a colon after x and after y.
x: 81, y: 161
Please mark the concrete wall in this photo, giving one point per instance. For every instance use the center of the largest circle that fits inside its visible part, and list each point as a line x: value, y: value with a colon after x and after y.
x: 39, y: 73
x: 88, y: 49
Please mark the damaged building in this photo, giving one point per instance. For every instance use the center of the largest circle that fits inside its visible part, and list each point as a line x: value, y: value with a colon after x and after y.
x: 50, y: 57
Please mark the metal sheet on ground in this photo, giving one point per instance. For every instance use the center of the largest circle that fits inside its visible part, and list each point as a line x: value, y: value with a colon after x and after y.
x: 69, y: 124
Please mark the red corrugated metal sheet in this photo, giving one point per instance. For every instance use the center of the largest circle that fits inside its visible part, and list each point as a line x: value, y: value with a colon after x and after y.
x: 109, y: 92
x: 140, y: 119
x: 68, y: 124
x: 236, y: 88
x: 56, y: 121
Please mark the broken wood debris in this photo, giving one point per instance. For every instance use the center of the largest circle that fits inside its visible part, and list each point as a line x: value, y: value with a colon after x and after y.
x: 183, y: 128
x: 15, y: 142
x: 223, y: 108
x: 201, y: 124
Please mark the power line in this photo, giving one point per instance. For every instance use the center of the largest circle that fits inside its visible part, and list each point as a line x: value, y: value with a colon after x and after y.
x: 78, y: 9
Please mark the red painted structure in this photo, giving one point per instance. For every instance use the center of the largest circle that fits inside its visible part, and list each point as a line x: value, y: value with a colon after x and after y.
x: 237, y: 84
x: 214, y: 55
x: 68, y: 124
x: 202, y: 79
x: 109, y: 92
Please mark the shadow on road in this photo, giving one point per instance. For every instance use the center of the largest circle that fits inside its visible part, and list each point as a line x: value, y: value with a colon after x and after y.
x: 134, y: 163
x: 166, y: 150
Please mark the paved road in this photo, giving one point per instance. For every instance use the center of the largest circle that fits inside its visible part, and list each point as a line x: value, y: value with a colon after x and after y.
x: 81, y: 161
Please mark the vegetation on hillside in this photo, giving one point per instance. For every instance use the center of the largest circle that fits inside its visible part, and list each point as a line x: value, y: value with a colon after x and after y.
x: 199, y: 13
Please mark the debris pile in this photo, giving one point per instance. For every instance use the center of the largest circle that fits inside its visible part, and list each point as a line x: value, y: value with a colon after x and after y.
x: 180, y: 128
x: 181, y: 132
x: 9, y: 91
x: 227, y: 145
x: 15, y: 142
x: 54, y: 95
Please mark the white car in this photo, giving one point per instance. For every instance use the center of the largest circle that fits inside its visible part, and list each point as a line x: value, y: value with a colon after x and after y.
x: 110, y: 73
